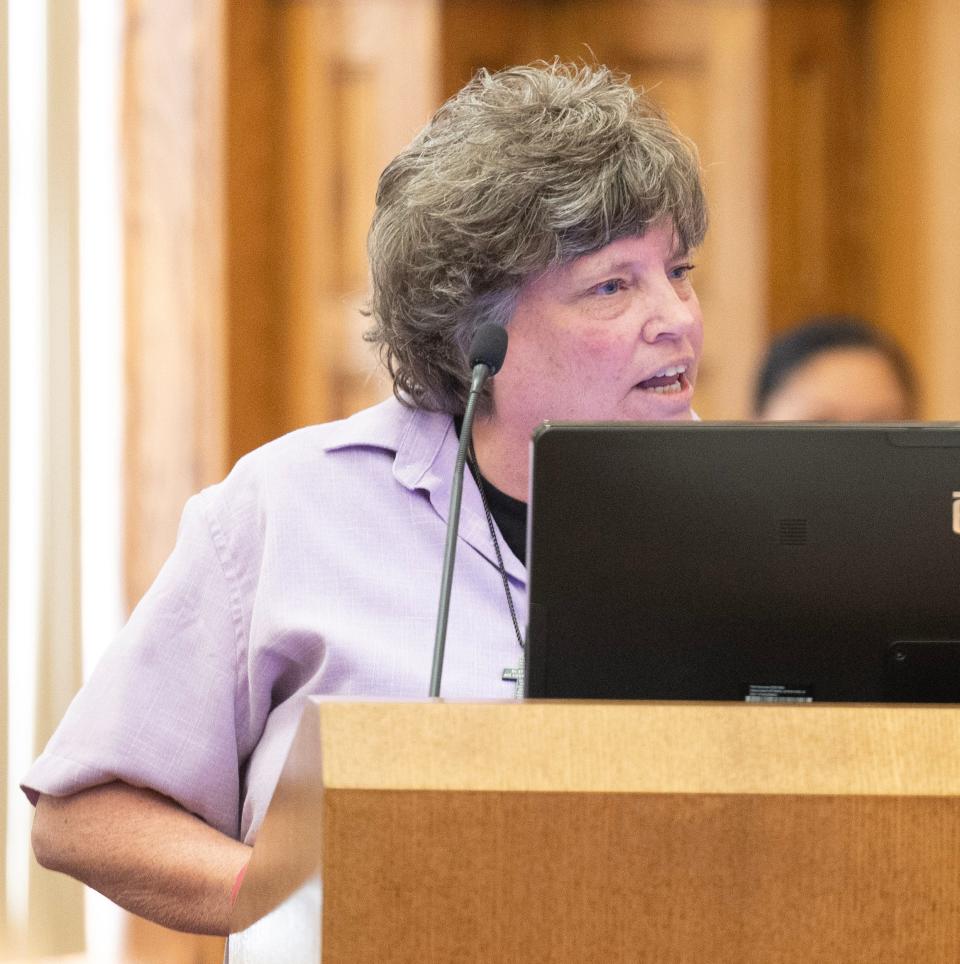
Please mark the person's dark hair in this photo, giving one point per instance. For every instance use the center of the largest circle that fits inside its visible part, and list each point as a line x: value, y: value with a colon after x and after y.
x: 523, y: 169
x: 794, y: 349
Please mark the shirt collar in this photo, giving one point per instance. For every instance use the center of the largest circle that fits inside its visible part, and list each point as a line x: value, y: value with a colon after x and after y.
x: 425, y: 447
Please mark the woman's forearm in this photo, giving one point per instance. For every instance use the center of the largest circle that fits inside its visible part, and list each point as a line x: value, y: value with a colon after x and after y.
x: 143, y: 851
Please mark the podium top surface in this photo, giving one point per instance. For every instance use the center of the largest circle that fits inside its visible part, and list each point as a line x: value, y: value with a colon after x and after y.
x: 554, y: 746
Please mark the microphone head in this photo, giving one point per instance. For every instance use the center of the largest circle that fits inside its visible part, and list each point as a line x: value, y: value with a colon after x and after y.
x: 488, y: 347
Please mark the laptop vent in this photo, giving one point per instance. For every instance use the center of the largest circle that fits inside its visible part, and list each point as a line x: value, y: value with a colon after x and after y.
x: 793, y: 532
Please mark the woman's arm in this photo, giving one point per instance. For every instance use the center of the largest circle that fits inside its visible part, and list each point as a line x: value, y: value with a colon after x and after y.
x: 143, y: 851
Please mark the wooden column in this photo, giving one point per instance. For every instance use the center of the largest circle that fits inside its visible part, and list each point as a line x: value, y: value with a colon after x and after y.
x: 253, y: 223
x: 174, y: 277
x: 733, y: 149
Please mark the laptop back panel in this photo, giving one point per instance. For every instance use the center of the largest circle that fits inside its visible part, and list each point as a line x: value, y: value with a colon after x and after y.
x: 738, y: 561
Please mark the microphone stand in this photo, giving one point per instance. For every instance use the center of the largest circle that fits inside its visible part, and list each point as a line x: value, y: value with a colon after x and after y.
x: 480, y: 374
x: 488, y: 347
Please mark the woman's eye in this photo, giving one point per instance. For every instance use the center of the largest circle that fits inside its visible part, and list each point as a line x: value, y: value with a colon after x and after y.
x: 681, y: 272
x: 610, y: 287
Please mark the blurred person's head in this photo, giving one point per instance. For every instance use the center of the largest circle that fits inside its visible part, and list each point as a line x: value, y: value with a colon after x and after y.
x: 835, y: 369
x: 514, y: 185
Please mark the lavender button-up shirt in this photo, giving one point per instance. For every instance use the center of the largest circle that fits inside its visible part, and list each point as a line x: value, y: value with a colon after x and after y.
x: 313, y: 568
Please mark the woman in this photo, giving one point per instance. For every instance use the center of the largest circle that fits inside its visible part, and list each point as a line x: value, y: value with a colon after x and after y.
x: 835, y: 369
x: 550, y: 199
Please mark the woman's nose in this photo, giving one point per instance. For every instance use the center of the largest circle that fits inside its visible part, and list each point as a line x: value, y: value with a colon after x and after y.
x: 670, y: 314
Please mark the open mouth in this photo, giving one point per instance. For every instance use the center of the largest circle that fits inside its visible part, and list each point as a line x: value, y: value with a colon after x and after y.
x: 667, y: 381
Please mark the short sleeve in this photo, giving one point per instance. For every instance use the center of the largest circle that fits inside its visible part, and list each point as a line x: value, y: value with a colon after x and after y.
x: 159, y: 710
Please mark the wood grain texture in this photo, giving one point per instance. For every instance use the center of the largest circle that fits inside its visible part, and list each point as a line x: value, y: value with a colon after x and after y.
x: 941, y: 42
x: 172, y: 133
x: 315, y: 112
x: 862, y: 148
x: 816, y: 159
x: 254, y: 269
x: 661, y: 747
x: 915, y: 209
x: 575, y: 877
x: 619, y: 832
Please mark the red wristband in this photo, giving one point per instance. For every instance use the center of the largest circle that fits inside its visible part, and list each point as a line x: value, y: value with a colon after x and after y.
x: 236, y: 884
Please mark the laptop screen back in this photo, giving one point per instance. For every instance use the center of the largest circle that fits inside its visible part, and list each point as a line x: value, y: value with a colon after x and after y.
x: 733, y: 561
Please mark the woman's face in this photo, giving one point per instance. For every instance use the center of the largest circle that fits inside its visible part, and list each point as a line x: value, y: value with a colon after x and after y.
x: 841, y: 385
x: 614, y: 335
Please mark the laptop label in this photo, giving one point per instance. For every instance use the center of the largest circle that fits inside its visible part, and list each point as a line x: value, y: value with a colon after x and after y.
x: 774, y: 693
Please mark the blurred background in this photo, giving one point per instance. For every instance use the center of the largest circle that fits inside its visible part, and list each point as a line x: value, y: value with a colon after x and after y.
x: 186, y: 188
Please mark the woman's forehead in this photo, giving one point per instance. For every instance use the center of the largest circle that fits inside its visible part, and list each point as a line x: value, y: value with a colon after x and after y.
x: 659, y: 242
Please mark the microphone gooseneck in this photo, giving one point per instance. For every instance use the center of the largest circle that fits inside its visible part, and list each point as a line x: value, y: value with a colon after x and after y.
x: 488, y: 348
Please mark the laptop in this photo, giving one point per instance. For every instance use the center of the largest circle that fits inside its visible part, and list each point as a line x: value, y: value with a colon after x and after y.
x: 773, y: 562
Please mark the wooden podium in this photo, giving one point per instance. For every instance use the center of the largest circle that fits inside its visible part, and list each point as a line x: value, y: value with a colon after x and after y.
x: 603, y: 832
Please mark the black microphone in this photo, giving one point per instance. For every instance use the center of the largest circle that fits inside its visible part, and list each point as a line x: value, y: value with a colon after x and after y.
x: 488, y: 348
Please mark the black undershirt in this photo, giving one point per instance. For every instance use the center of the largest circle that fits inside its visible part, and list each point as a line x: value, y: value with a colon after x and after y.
x: 508, y: 513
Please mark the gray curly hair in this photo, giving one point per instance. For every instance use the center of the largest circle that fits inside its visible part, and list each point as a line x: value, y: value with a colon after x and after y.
x: 523, y: 169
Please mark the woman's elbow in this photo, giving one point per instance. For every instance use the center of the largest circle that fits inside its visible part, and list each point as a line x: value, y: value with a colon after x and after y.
x: 47, y: 835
